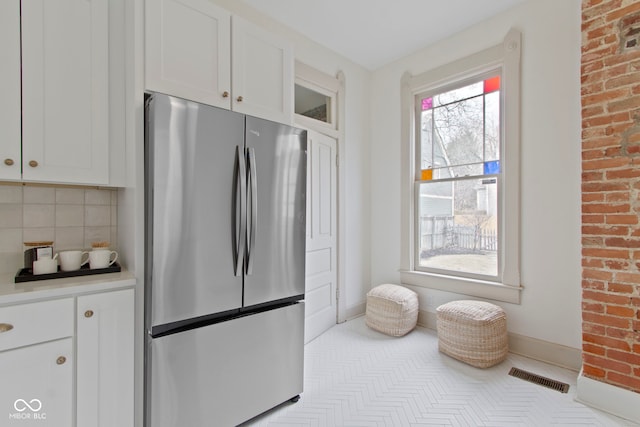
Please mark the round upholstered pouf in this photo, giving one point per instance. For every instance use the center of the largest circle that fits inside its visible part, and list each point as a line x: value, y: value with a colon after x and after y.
x: 473, y: 332
x: 392, y: 309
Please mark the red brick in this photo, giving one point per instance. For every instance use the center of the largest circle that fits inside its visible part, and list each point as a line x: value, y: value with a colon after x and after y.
x: 605, y: 320
x: 628, y: 277
x: 593, y: 372
x: 620, y: 12
x: 592, y: 111
x: 616, y: 265
x: 613, y: 151
x: 609, y: 95
x: 605, y: 297
x: 592, y: 307
x: 627, y: 357
x: 592, y: 176
x: 609, y: 231
x: 592, y: 154
x: 592, y: 328
x: 593, y: 263
x: 593, y: 219
x: 623, y: 334
x: 605, y: 253
x: 593, y: 284
x: 597, y: 274
x: 617, y: 196
x: 624, y: 380
x: 627, y: 56
x: 604, y: 186
x: 600, y: 142
x: 620, y: 288
x: 592, y: 241
x: 621, y: 219
x: 623, y: 173
x: 615, y: 310
x: 613, y: 72
x: 606, y: 208
x: 618, y: 242
x: 606, y: 342
x: 593, y: 349
x: 626, y: 104
x: 607, y: 364
x: 593, y: 197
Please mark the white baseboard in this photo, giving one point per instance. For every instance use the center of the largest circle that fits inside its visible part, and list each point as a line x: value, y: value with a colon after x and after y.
x: 544, y: 351
x: 353, y: 312
x: 606, y: 397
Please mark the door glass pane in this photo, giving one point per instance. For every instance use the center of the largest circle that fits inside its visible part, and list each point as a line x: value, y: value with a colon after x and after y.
x: 457, y: 224
x: 310, y: 103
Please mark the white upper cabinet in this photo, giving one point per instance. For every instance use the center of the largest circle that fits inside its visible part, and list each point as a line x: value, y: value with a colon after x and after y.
x: 262, y: 65
x: 188, y: 45
x: 10, y: 89
x: 65, y: 84
x: 198, y: 51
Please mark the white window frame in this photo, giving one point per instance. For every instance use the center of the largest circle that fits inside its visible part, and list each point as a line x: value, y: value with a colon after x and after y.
x: 504, y: 57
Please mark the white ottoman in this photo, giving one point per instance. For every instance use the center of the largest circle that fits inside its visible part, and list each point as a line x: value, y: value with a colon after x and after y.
x: 392, y: 309
x: 473, y: 332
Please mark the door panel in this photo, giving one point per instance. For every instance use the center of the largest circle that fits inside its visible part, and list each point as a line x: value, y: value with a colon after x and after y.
x: 321, y: 279
x: 226, y: 373
x: 10, y: 137
x: 277, y: 259
x: 195, y: 149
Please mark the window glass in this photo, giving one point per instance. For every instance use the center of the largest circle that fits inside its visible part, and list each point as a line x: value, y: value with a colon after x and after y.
x: 458, y: 226
x: 457, y: 206
x: 312, y: 104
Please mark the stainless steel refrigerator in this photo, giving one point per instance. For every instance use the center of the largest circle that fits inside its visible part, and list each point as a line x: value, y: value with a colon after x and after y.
x: 225, y: 264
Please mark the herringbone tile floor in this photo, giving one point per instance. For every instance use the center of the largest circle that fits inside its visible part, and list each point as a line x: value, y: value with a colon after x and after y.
x: 355, y: 376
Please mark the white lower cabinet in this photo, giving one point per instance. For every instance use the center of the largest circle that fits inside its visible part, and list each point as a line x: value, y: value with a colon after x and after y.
x: 105, y: 359
x: 37, y: 369
x: 37, y: 385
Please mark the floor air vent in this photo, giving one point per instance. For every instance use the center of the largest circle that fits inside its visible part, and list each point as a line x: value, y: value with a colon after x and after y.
x: 537, y: 379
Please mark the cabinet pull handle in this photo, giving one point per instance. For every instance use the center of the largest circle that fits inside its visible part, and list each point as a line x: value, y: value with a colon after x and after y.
x: 88, y: 313
x: 5, y: 327
x: 8, y: 162
x: 225, y: 94
x: 239, y: 99
x: 33, y: 163
x: 60, y: 360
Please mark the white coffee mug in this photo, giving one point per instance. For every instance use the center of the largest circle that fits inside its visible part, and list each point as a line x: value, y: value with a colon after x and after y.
x: 101, y: 258
x: 46, y: 265
x: 72, y: 260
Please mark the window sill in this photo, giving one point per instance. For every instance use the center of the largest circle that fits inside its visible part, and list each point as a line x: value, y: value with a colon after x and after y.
x: 459, y: 285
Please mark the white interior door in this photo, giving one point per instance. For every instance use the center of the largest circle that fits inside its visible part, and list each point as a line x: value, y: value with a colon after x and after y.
x: 321, y: 259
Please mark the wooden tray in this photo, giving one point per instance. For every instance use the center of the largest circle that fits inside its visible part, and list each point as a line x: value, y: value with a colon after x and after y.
x: 26, y: 274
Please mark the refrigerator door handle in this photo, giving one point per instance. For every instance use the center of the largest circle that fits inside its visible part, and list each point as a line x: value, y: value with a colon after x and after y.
x: 251, y: 237
x: 239, y: 218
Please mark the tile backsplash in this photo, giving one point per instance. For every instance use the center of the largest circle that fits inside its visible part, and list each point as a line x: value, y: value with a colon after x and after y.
x: 70, y: 217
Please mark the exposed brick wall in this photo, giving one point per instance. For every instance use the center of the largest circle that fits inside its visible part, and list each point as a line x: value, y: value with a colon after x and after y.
x: 610, y: 71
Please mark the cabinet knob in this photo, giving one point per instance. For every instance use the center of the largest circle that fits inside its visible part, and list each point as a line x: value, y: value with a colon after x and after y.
x: 239, y: 99
x: 88, y: 313
x: 60, y: 360
x: 225, y: 94
x: 33, y: 163
x: 8, y: 162
x: 5, y: 327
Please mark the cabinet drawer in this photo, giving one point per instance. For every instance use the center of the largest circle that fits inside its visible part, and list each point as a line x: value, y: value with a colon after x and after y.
x: 27, y: 324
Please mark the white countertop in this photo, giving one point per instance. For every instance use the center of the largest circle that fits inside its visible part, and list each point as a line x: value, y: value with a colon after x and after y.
x: 11, y: 292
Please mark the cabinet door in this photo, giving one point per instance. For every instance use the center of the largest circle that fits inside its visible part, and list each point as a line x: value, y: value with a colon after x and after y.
x: 105, y: 324
x: 65, y: 86
x: 37, y: 385
x: 262, y: 68
x: 187, y: 48
x: 10, y: 89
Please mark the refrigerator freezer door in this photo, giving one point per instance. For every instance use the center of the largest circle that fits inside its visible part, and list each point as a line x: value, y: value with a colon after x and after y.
x: 192, y: 185
x: 275, y: 262
x: 226, y: 373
